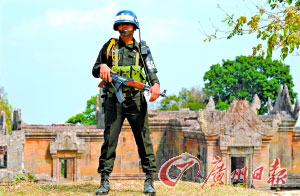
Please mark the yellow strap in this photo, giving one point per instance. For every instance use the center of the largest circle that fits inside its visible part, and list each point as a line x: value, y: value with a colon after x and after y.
x: 116, y: 55
x: 111, y: 44
x: 137, y: 58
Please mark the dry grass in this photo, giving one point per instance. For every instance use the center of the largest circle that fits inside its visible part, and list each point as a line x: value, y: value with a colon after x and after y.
x: 133, y: 187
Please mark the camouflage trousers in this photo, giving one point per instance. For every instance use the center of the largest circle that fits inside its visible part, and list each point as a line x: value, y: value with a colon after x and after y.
x: 135, y: 110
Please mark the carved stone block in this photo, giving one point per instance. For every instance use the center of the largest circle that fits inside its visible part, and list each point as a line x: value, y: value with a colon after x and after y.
x: 67, y: 141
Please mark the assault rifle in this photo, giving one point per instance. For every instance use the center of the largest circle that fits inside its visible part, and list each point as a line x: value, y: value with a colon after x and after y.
x: 118, y: 82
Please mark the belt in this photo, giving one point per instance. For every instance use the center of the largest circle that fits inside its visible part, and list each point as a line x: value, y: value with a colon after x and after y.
x: 129, y: 94
x: 125, y: 94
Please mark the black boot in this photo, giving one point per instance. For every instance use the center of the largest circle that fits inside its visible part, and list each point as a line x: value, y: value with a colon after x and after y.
x: 148, y: 185
x: 104, y: 186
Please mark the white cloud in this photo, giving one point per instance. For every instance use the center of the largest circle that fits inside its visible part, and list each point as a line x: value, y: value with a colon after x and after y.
x: 157, y: 30
x: 80, y: 20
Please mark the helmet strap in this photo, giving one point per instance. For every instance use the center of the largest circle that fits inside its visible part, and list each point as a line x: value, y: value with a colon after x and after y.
x: 125, y: 33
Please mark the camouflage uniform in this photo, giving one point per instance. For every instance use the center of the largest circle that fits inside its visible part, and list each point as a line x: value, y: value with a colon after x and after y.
x: 134, y: 108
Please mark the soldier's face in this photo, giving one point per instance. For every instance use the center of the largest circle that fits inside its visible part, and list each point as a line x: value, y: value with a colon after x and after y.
x: 126, y: 29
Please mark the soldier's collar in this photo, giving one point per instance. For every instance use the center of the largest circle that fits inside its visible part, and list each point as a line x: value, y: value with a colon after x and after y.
x: 135, y: 44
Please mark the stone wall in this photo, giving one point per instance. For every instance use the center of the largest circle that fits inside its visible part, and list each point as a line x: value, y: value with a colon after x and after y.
x: 180, y: 134
x: 286, y: 142
x: 15, y: 151
x: 15, y: 154
x: 172, y: 133
x: 46, y: 145
x: 13, y: 143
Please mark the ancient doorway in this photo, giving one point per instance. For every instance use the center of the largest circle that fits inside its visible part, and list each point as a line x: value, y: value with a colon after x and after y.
x: 3, y: 157
x: 66, y: 152
x: 238, y: 171
x: 66, y: 169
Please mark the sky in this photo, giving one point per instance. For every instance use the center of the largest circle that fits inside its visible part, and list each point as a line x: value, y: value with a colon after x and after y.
x: 48, y: 48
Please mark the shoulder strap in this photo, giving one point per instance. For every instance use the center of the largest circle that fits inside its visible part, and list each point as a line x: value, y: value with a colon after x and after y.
x: 111, y: 44
x: 116, y: 55
x: 137, y: 58
x: 142, y: 46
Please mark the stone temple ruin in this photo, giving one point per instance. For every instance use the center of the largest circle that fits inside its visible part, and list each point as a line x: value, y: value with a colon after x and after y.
x: 240, y: 137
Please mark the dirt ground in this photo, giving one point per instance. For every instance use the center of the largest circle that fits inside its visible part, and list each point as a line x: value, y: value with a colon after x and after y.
x: 286, y: 193
x: 134, y: 187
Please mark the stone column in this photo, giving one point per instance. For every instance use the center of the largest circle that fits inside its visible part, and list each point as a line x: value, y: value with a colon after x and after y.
x: 76, y: 168
x: 254, y: 164
x: 77, y: 165
x: 211, y: 142
x: 3, y: 125
x: 58, y: 168
x: 261, y: 158
x: 16, y: 119
x: 227, y: 163
x: 54, y: 171
x: 250, y: 169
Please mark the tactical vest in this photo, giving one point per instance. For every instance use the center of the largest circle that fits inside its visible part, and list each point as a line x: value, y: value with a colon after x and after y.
x: 126, y: 68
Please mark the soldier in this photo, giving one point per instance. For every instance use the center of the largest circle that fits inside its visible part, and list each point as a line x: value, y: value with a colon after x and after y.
x: 127, y: 58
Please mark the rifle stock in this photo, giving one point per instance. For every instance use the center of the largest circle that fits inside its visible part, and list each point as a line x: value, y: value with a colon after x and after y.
x: 136, y: 84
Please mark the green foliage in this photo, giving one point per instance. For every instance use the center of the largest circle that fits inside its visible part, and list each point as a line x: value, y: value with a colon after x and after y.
x: 278, y: 26
x: 297, y: 3
x: 87, y: 117
x: 222, y: 105
x: 62, y: 167
x: 193, y: 99
x: 169, y: 103
x: 19, y: 178
x: 31, y: 177
x: 4, y: 106
x: 23, y: 177
x: 244, y: 77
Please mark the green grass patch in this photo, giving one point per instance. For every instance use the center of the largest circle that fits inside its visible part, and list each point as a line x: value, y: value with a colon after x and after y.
x: 119, y: 188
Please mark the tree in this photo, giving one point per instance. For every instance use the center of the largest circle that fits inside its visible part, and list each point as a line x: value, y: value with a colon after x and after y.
x: 170, y: 102
x: 87, y: 117
x: 4, y: 106
x: 244, y: 77
x: 277, y: 25
x: 193, y: 99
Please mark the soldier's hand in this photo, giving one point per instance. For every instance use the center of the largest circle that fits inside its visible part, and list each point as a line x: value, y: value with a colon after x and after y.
x: 155, y: 92
x: 105, y: 73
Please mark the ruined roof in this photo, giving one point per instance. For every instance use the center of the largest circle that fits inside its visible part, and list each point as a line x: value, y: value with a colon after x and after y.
x: 283, y: 104
x: 240, y: 116
x: 184, y: 119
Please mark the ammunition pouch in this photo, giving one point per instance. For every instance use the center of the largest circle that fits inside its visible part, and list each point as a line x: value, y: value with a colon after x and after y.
x: 135, y: 72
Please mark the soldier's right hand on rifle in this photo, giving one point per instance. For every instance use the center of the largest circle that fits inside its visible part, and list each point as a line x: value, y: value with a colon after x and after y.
x: 105, y: 73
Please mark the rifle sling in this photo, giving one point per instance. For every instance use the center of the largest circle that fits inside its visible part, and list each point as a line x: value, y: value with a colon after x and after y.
x: 116, y: 55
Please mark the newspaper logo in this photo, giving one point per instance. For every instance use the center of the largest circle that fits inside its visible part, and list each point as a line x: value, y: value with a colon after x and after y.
x: 182, y: 162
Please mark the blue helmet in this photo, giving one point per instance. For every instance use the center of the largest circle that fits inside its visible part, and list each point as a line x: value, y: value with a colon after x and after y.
x: 126, y: 16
